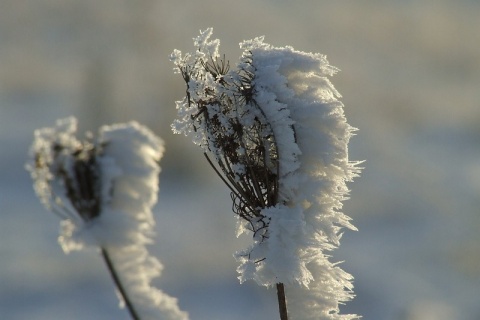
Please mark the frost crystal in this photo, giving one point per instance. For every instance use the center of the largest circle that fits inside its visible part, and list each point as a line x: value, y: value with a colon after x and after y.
x: 274, y: 130
x: 104, y: 190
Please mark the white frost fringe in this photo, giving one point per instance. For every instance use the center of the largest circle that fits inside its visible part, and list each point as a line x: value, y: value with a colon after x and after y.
x: 310, y: 222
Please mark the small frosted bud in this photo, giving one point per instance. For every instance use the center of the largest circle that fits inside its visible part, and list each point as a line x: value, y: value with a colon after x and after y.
x: 103, y: 189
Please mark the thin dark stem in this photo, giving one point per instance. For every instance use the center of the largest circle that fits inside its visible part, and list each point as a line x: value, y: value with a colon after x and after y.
x: 282, y: 302
x: 232, y: 188
x: 119, y: 285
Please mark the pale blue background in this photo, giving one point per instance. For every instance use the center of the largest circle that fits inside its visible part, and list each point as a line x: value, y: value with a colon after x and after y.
x: 411, y: 83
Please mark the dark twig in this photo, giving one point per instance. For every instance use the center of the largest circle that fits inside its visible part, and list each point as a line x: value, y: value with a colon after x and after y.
x: 282, y: 302
x: 119, y: 285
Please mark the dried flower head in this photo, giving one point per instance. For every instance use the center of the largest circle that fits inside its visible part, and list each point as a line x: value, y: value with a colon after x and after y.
x: 103, y: 189
x: 274, y: 130
x: 239, y: 142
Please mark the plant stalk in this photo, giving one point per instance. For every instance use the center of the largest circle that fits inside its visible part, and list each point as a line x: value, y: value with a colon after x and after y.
x: 282, y: 302
x: 119, y: 285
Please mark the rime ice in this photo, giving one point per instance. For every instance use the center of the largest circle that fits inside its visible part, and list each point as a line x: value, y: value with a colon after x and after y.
x: 104, y: 190
x: 278, y: 136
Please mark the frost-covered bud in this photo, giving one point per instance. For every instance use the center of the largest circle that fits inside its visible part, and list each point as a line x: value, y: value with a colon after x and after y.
x: 274, y: 130
x: 104, y: 189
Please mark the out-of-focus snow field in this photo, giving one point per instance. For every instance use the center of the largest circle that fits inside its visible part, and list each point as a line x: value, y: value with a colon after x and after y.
x: 411, y: 83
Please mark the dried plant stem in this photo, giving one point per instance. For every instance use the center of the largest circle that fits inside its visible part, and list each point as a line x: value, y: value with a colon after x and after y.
x: 282, y: 302
x: 119, y: 285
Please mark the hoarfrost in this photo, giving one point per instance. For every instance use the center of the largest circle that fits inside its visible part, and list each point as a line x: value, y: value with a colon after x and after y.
x: 279, y: 108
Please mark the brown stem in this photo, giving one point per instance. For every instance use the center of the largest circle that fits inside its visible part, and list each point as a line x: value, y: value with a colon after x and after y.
x: 282, y: 302
x: 119, y: 285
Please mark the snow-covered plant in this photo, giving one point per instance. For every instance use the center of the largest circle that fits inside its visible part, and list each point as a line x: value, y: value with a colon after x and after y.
x: 273, y: 129
x: 103, y: 189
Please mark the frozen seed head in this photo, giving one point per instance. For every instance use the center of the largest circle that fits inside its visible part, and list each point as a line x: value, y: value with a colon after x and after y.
x: 273, y: 128
x: 113, y: 177
x: 221, y: 114
x: 104, y: 188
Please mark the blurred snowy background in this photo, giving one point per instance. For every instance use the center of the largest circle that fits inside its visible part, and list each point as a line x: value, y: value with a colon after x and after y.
x: 411, y: 83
